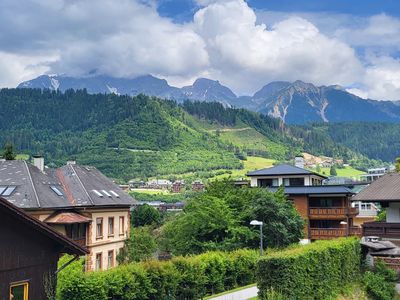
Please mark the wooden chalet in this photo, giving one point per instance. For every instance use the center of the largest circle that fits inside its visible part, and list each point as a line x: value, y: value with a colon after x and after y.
x: 29, y: 253
x: 325, y: 208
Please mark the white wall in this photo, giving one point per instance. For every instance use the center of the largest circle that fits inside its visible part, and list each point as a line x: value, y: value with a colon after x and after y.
x: 393, y: 213
x: 307, y: 179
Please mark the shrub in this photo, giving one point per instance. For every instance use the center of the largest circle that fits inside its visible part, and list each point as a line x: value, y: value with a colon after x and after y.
x: 380, y: 283
x: 315, y: 271
x: 190, y: 277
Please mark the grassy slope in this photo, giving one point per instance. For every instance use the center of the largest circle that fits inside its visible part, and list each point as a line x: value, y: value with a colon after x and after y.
x: 346, y: 172
x: 242, y: 136
x: 252, y: 163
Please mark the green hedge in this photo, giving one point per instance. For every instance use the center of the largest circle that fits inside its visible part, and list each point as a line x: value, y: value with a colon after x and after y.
x: 180, y: 278
x: 315, y: 271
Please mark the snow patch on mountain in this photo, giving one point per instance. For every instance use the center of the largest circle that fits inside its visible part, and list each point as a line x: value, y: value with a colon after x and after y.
x: 54, y: 83
x: 112, y: 90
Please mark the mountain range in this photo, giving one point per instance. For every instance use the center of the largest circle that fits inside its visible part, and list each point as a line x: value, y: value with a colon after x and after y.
x: 292, y: 102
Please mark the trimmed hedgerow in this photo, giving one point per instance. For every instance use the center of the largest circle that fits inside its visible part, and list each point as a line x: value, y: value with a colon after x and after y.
x: 315, y: 271
x: 190, y: 277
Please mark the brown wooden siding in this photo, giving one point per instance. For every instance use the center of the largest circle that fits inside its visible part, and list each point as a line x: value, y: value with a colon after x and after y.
x: 24, y: 255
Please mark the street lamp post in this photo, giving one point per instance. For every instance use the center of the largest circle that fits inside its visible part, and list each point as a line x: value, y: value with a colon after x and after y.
x: 259, y: 223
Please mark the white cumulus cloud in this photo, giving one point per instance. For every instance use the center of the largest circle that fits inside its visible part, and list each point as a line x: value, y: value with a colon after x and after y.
x: 246, y: 54
x: 226, y: 41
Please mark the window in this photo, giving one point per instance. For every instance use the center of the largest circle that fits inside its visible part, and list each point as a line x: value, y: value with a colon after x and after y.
x: 114, y: 193
x: 99, y: 227
x: 110, y: 259
x: 299, y: 181
x: 98, y: 193
x: 56, y: 190
x: 7, y: 190
x: 265, y: 182
x: 121, y: 225
x: 76, y: 231
x: 111, y: 226
x: 366, y: 206
x: 19, y: 291
x: 98, y: 261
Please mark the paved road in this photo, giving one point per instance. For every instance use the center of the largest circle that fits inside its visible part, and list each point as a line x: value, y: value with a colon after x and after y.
x: 239, y: 295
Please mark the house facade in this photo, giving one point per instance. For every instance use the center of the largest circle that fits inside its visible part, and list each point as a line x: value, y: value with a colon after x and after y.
x: 29, y: 253
x: 77, y: 201
x: 386, y: 191
x: 367, y: 212
x: 325, y: 208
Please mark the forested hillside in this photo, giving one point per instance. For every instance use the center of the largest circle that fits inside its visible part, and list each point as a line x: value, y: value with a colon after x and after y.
x: 375, y: 140
x: 138, y: 137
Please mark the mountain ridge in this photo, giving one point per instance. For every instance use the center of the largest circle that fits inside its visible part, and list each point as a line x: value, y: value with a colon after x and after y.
x: 293, y: 102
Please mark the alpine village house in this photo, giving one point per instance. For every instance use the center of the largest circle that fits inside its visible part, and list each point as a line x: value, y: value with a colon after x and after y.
x: 386, y: 191
x: 29, y: 254
x: 325, y: 208
x: 77, y: 201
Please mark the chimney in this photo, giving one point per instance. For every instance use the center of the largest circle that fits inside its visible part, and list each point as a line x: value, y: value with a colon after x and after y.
x: 38, y: 162
x: 299, y: 162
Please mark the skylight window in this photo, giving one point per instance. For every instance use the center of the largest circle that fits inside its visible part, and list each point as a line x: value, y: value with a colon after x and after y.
x: 2, y: 189
x: 114, y: 193
x: 9, y: 190
x: 106, y: 193
x: 98, y: 193
x: 56, y: 190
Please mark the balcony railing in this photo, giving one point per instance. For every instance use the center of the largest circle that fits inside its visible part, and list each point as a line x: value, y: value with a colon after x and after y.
x: 330, y: 233
x: 337, y: 212
x: 381, y: 229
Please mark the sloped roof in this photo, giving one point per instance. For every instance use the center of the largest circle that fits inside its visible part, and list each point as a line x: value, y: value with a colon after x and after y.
x: 66, y: 217
x: 35, y: 189
x: 386, y: 188
x: 283, y: 169
x: 68, y: 246
x: 88, y: 186
x: 314, y: 189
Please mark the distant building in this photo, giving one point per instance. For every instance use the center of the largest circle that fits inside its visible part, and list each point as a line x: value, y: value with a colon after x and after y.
x: 161, y: 184
x: 77, y: 201
x: 124, y: 187
x: 197, y: 186
x: 374, y: 174
x: 299, y: 162
x: 136, y: 184
x: 178, y: 186
x: 161, y: 205
x: 335, y: 180
x: 326, y: 208
x: 29, y: 251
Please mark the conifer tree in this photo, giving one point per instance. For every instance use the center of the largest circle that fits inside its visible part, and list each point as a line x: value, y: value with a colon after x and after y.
x: 8, y: 153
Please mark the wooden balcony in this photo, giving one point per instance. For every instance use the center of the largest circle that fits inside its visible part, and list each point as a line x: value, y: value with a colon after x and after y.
x: 331, y: 233
x: 382, y: 229
x: 331, y: 212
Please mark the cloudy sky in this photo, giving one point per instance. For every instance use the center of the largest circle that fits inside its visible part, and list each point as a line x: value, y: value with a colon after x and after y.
x: 243, y: 44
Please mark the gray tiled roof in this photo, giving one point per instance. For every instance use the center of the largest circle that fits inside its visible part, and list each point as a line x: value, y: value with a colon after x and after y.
x: 282, y: 170
x: 386, y: 188
x: 76, y: 183
x: 315, y: 189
